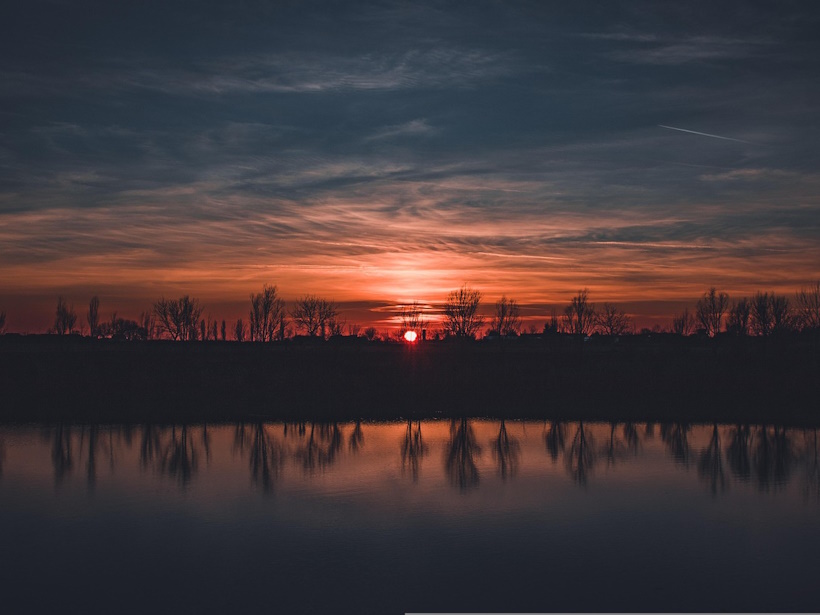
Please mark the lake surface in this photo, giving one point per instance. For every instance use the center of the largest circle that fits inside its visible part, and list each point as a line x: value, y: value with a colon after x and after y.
x: 455, y: 516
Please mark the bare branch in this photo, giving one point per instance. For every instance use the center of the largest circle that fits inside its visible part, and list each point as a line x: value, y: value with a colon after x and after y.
x: 461, y: 312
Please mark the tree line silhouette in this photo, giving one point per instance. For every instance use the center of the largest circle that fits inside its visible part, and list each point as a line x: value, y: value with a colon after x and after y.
x: 269, y: 319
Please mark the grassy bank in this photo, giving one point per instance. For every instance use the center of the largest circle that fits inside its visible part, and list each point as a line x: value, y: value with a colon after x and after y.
x: 47, y: 378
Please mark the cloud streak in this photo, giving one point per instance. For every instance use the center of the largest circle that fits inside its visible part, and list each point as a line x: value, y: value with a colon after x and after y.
x: 703, y: 134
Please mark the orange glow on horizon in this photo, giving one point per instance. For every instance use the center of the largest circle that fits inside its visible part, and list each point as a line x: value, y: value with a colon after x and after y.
x: 372, y: 262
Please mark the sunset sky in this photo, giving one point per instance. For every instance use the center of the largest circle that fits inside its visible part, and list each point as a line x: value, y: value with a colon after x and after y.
x: 385, y: 152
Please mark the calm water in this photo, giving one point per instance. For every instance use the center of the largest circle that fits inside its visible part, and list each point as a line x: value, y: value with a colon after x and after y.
x: 430, y: 516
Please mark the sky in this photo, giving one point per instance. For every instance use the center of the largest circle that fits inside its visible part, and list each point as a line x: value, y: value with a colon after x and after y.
x: 378, y: 153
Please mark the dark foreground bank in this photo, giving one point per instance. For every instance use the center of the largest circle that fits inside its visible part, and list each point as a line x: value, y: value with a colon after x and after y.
x: 46, y: 378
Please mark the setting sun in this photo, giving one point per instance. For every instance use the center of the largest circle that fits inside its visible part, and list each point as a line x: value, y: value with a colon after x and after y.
x: 410, y: 336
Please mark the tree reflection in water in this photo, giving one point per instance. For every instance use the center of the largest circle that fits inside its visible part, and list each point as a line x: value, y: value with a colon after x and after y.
x: 413, y: 450
x: 241, y: 437
x: 180, y: 457
x: 95, y: 444
x: 554, y: 440
x: 580, y: 459
x: 764, y: 456
x: 676, y: 438
x: 631, y: 438
x: 710, y: 463
x: 150, y: 445
x: 206, y: 443
x: 811, y: 475
x: 614, y: 450
x: 296, y: 429
x: 771, y: 457
x: 266, y: 457
x: 738, y: 452
x: 460, y: 454
x: 356, y: 439
x: 506, y: 452
x: 321, y: 446
x: 61, y: 457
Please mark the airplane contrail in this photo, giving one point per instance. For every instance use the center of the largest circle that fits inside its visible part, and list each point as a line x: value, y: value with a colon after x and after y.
x: 704, y: 134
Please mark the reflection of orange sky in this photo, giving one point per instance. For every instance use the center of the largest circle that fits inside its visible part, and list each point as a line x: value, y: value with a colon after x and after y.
x: 367, y: 258
x: 373, y: 472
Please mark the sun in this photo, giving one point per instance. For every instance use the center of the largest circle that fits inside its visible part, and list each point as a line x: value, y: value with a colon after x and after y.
x: 410, y: 336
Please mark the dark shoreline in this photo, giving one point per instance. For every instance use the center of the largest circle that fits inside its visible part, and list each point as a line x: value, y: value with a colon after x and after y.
x: 657, y: 379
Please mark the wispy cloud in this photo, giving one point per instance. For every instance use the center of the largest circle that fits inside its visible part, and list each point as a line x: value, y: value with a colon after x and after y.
x: 413, y: 128
x: 750, y: 175
x: 654, y: 49
x: 303, y: 73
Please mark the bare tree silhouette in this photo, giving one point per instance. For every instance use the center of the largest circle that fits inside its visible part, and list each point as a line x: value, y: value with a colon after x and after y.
x: 122, y: 328
x: 580, y: 459
x: 710, y: 463
x: 683, y: 323
x: 2, y: 322
x: 762, y: 318
x: 460, y: 454
x: 613, y: 321
x: 239, y: 331
x: 66, y: 318
x: 710, y: 309
x: 267, y: 316
x: 93, y: 316
x: 178, y: 317
x: 554, y: 440
x: 507, y: 318
x: 412, y: 318
x: 506, y: 452
x: 461, y: 317
x: 737, y: 321
x: 312, y: 314
x: 413, y: 449
x: 579, y: 315
x: 335, y: 326
x: 148, y: 323
x: 807, y: 303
